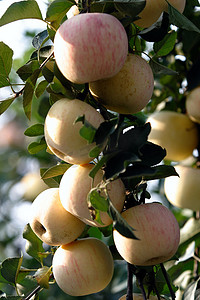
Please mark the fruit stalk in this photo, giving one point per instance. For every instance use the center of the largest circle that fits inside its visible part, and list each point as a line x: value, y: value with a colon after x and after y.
x: 168, y: 282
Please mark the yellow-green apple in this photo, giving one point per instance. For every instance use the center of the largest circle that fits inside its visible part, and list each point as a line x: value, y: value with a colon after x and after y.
x: 129, y: 90
x: 73, y: 11
x: 83, y: 267
x: 32, y: 185
x: 175, y: 132
x: 140, y: 297
x: 51, y: 222
x: 62, y: 132
x: 90, y: 47
x: 193, y: 105
x: 157, y: 231
x: 184, y: 191
x: 154, y: 9
x: 75, y: 186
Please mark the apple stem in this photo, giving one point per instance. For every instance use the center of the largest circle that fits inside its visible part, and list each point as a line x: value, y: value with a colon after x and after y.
x: 129, y: 295
x: 168, y: 281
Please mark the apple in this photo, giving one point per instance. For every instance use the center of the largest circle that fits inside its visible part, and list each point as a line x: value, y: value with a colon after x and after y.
x: 32, y: 185
x: 193, y: 105
x: 75, y: 186
x: 184, y: 191
x: 157, y: 231
x: 51, y: 222
x: 83, y: 267
x: 62, y: 133
x: 73, y: 11
x: 129, y: 90
x: 175, y: 132
x: 90, y: 47
x: 140, y: 297
x: 154, y: 9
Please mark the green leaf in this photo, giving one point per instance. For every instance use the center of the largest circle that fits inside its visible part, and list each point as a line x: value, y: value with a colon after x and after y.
x: 161, y: 171
x: 52, y: 182
x: 41, y: 87
x: 58, y: 9
x: 87, y: 131
x: 189, y: 293
x: 120, y: 224
x: 180, y: 20
x: 130, y: 7
x: 33, y: 245
x: 55, y: 171
x: 27, y: 70
x: 161, y: 69
x: 10, y: 268
x: 166, y: 45
x: 21, y: 10
x: 5, y: 104
x: 98, y: 166
x: 29, y: 91
x: 6, y: 55
x: 189, y: 230
x: 36, y: 147
x: 10, y: 297
x: 97, y: 201
x: 35, y: 130
x: 39, y: 39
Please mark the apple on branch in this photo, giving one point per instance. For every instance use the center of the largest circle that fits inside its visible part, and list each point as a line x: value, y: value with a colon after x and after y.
x: 83, y: 267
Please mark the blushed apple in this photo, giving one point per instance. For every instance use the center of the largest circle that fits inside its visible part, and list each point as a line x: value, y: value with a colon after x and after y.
x: 51, y: 222
x: 62, y: 133
x: 184, y: 191
x: 75, y: 186
x: 90, y: 47
x: 192, y: 105
x: 157, y: 230
x: 83, y: 267
x: 175, y: 132
x: 129, y: 90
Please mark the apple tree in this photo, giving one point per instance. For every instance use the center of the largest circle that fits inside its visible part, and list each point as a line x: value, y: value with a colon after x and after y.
x: 107, y: 103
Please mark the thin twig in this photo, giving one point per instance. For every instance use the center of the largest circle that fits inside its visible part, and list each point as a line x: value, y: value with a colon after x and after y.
x: 36, y: 290
x: 167, y: 281
x: 129, y: 295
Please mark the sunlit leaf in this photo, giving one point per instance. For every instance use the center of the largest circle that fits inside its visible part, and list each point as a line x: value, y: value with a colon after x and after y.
x: 21, y: 10
x: 36, y: 147
x: 35, y: 130
x: 58, y: 9
x: 5, y: 104
x: 6, y: 55
x: 97, y: 201
x: 33, y: 244
x: 55, y: 171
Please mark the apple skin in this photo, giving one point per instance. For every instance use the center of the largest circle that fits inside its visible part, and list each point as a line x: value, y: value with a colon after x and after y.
x: 157, y: 230
x: 90, y: 47
x: 193, y: 105
x: 73, y: 11
x: 83, y: 267
x: 154, y: 9
x: 62, y: 133
x: 32, y: 185
x: 184, y: 191
x: 140, y: 297
x: 51, y: 222
x: 175, y: 132
x: 75, y: 186
x: 128, y: 91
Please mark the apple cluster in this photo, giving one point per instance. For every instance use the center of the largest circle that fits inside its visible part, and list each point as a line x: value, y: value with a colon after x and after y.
x: 93, y: 48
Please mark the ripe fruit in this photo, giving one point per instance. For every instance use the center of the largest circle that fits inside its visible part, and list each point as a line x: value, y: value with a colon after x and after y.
x: 73, y: 11
x: 130, y: 90
x: 154, y: 9
x: 90, y: 47
x: 184, y: 191
x: 140, y: 297
x: 175, y: 132
x: 75, y: 186
x: 62, y: 133
x: 157, y: 230
x: 51, y: 222
x: 193, y: 105
x: 83, y: 267
x: 32, y: 185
